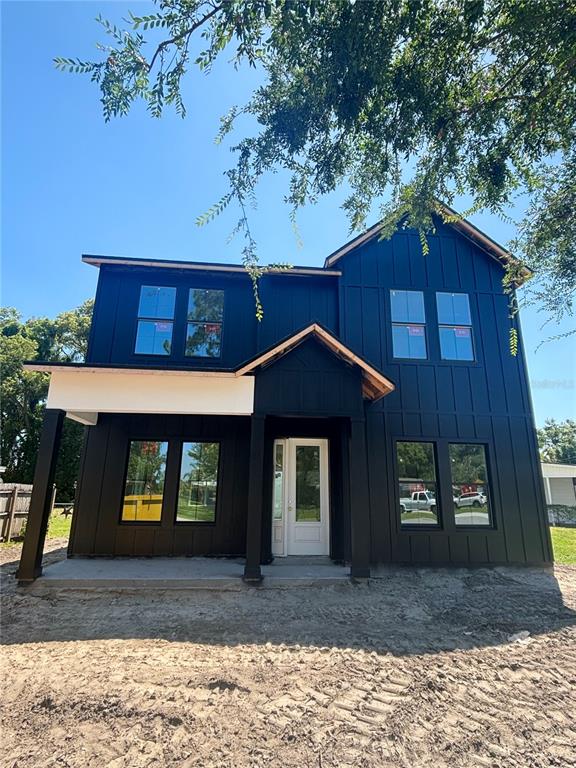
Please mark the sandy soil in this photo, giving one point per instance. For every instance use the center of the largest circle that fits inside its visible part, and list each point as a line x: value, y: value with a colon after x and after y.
x: 412, y: 670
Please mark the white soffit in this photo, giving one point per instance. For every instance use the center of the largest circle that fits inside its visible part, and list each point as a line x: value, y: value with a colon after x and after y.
x: 82, y: 393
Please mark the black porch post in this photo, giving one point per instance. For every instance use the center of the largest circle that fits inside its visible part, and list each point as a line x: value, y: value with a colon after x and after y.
x: 252, y: 572
x: 39, y: 511
x: 359, y: 501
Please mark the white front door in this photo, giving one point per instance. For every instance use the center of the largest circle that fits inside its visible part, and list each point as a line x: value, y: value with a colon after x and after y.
x: 300, y: 504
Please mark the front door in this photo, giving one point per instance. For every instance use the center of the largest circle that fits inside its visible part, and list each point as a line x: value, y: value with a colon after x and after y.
x: 300, y: 505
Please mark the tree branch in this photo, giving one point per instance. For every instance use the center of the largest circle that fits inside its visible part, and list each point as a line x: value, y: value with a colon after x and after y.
x: 182, y: 35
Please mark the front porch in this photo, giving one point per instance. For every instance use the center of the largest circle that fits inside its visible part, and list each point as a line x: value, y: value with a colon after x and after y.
x: 185, y: 464
x: 179, y: 573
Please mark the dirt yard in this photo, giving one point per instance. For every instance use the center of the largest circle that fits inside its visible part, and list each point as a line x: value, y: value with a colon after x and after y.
x: 416, y: 669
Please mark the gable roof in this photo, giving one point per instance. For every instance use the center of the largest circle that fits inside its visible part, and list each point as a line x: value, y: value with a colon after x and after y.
x: 461, y: 225
x: 374, y: 384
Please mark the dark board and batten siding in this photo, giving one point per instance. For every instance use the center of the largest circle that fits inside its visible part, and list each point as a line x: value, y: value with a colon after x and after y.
x: 309, y: 381
x: 290, y: 302
x: 98, y: 530
x: 485, y: 401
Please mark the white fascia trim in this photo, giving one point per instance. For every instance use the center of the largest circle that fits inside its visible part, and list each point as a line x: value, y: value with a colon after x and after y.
x: 82, y: 394
x: 558, y: 470
x: 56, y: 368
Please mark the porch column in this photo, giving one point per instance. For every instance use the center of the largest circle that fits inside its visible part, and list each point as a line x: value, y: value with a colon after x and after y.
x: 252, y: 572
x: 40, y: 503
x: 359, y: 501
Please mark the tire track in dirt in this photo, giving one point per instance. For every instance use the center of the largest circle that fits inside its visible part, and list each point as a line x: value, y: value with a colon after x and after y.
x: 413, y: 671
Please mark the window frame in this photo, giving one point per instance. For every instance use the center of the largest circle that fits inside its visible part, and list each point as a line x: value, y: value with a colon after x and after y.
x: 453, y: 326
x: 129, y: 442
x: 188, y: 322
x: 411, y: 527
x: 445, y: 506
x: 406, y: 324
x: 202, y: 523
x: 146, y: 318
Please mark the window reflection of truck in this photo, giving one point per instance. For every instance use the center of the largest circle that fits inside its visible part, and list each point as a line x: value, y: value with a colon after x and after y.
x: 423, y: 500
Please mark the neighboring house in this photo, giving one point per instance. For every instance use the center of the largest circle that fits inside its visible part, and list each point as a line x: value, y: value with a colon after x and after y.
x: 383, y: 375
x: 560, y: 484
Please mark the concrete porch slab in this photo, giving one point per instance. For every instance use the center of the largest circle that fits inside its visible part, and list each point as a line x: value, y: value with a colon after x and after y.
x: 181, y: 573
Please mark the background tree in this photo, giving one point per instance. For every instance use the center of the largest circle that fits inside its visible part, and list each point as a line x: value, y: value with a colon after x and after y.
x: 23, y: 393
x: 410, y: 101
x: 204, y: 458
x: 557, y: 440
x: 146, y: 467
x: 416, y: 461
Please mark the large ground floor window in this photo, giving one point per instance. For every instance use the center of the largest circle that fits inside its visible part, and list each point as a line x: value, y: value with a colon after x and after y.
x: 423, y: 501
x: 146, y: 497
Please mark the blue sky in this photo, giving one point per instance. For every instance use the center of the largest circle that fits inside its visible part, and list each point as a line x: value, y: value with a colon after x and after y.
x: 72, y: 184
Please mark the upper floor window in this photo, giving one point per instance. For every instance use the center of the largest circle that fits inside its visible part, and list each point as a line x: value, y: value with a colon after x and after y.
x: 408, y: 324
x: 455, y: 326
x: 205, y: 315
x: 155, y: 320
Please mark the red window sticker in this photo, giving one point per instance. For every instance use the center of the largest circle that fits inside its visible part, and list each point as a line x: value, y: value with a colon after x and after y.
x: 163, y: 326
x: 415, y: 330
x: 462, y: 332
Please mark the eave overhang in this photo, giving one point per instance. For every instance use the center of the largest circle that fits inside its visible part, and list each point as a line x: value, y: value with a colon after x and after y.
x: 202, y: 266
x: 88, y: 368
x: 84, y: 390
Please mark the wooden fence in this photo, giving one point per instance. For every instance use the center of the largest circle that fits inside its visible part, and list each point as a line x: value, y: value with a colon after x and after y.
x: 14, y: 505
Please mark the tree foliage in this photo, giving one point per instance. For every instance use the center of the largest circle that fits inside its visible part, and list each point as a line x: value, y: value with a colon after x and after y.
x: 410, y: 101
x: 557, y: 440
x: 23, y: 393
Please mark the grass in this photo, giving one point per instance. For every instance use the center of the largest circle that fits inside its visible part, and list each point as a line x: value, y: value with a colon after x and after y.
x: 563, y: 539
x: 59, y: 526
x: 564, y: 545
x: 308, y: 514
x: 198, y: 513
x: 408, y: 517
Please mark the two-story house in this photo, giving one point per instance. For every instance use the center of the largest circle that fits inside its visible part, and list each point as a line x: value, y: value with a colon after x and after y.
x: 375, y: 414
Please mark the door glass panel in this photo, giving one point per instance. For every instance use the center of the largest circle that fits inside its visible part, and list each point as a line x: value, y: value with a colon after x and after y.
x: 307, y: 483
x: 278, y: 481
